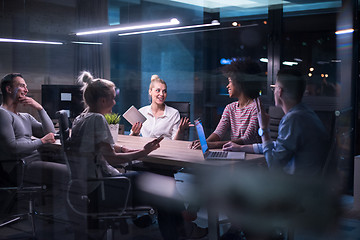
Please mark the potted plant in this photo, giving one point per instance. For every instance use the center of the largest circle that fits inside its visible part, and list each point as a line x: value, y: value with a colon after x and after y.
x: 113, y: 120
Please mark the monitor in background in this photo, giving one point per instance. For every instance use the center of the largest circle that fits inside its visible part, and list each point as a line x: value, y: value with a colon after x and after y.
x: 62, y: 97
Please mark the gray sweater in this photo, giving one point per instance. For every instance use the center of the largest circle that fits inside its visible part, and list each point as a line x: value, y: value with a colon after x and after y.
x: 16, y: 131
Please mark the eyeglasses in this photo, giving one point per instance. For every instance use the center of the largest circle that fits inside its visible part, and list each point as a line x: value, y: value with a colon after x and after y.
x: 272, y: 87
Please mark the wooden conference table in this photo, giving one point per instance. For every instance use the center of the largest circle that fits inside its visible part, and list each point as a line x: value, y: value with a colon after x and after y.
x: 177, y: 153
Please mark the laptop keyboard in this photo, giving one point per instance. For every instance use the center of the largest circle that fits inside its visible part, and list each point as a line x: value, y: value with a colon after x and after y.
x: 218, y: 154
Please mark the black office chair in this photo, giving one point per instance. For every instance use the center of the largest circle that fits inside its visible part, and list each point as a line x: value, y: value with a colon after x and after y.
x: 275, y: 114
x: 12, y: 186
x: 89, y: 206
x: 184, y: 110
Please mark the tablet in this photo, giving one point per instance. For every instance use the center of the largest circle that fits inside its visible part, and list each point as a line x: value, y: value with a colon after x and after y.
x: 132, y: 115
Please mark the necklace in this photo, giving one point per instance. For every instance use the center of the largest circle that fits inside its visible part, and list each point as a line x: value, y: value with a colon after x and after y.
x: 247, y: 103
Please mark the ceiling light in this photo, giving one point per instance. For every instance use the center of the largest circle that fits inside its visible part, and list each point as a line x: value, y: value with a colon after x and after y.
x: 213, y: 23
x: 9, y: 40
x: 265, y: 60
x: 88, y: 43
x: 288, y: 63
x: 172, y: 22
x: 350, y: 30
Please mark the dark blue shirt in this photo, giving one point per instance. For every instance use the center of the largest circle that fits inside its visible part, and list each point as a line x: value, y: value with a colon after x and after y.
x: 302, y: 144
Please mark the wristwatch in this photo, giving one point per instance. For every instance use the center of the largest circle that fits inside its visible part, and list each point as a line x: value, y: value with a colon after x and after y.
x: 262, y: 131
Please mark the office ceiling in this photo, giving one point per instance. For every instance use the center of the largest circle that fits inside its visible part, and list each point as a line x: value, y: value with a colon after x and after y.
x: 239, y: 8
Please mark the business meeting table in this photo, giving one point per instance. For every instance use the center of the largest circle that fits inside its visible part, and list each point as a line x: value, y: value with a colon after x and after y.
x: 177, y: 153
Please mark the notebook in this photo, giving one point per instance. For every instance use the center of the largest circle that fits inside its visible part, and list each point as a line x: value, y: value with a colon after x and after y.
x: 132, y: 115
x: 215, y: 155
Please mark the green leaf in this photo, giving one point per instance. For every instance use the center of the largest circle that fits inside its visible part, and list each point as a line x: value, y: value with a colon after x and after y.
x: 112, y: 118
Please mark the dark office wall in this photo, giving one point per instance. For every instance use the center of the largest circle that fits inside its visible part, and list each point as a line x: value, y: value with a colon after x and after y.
x: 135, y: 58
x: 38, y: 20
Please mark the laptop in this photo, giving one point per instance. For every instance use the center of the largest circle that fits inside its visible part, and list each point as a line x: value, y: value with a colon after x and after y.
x: 215, y: 155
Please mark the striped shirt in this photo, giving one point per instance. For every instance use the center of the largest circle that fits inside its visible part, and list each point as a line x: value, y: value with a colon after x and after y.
x: 242, y: 123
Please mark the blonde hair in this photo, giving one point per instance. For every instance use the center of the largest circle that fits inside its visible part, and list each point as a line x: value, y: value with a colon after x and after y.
x: 93, y: 89
x: 156, y: 78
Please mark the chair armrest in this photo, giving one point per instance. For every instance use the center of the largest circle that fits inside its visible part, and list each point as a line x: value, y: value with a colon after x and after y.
x: 78, y: 200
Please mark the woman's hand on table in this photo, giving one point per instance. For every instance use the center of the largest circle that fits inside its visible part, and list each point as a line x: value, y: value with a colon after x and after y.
x: 195, y: 145
x: 232, y: 147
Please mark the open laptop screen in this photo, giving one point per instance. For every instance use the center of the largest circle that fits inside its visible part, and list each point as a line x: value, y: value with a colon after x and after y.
x: 201, y: 134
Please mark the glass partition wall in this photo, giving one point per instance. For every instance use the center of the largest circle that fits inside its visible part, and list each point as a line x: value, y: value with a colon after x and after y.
x: 284, y: 34
x: 318, y: 37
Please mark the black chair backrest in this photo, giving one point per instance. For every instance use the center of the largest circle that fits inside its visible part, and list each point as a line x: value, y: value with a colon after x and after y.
x: 275, y: 114
x: 64, y: 129
x: 64, y: 132
x: 184, y: 110
x: 182, y: 107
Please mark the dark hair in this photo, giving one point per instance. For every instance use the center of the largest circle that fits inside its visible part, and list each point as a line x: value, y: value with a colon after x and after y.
x: 7, y: 80
x: 245, y: 75
x: 293, y: 82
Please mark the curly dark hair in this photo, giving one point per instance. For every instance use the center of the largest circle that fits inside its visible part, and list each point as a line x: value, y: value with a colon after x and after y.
x: 245, y: 75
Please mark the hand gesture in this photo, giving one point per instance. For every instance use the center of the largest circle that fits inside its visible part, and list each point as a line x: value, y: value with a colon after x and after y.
x: 153, y: 145
x: 184, y: 124
x: 136, y: 129
x: 263, y: 117
x: 48, y: 138
x: 30, y: 102
x: 195, y: 145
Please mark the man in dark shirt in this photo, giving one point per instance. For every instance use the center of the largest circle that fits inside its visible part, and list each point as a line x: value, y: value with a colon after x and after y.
x: 302, y: 144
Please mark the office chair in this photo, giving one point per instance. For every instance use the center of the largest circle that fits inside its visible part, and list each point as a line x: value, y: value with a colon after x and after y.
x: 275, y: 114
x: 12, y: 184
x: 88, y: 205
x: 184, y: 110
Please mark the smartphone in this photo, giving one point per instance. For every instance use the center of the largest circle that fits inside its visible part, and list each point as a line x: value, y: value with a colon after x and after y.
x: 160, y: 138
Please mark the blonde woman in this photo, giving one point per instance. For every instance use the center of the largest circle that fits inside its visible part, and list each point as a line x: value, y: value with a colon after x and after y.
x: 161, y: 120
x: 92, y: 140
x: 91, y: 133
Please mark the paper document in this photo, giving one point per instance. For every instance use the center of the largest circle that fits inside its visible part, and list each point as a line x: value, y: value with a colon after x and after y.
x: 132, y: 115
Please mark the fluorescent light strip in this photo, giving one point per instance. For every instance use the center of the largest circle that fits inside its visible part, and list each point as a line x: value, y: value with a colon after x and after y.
x: 288, y: 63
x: 171, y: 29
x: 8, y: 40
x: 208, y: 30
x: 88, y: 43
x: 173, y: 21
x: 345, y: 31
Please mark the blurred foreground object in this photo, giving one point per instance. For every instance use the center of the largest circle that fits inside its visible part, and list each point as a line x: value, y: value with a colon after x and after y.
x: 259, y: 200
